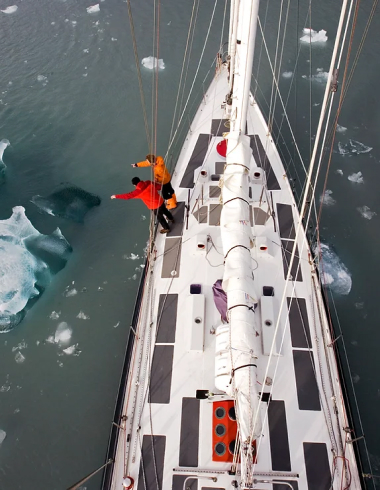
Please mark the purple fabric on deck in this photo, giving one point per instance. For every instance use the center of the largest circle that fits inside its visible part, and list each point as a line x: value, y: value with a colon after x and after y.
x: 220, y: 299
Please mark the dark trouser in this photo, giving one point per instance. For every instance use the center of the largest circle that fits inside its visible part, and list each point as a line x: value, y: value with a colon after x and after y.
x: 167, y: 190
x: 160, y: 212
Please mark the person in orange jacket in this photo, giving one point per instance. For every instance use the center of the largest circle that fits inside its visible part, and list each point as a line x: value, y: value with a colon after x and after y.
x: 147, y: 191
x: 161, y: 176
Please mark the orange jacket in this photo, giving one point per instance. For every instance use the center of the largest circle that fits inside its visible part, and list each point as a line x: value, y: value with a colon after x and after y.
x: 147, y: 192
x: 161, y: 173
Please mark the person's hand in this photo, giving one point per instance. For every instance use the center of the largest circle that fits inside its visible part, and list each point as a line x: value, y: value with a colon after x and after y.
x: 133, y: 164
x: 113, y: 196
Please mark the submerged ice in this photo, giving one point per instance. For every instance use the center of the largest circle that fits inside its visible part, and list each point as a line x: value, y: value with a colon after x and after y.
x: 333, y: 272
x: 68, y: 201
x: 151, y: 63
x: 27, y: 261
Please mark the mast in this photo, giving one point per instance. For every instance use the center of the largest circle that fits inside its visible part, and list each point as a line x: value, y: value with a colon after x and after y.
x: 237, y: 238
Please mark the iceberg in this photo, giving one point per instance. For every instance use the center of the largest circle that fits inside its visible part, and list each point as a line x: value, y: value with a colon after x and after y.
x: 68, y: 201
x: 333, y: 272
x: 10, y: 10
x: 311, y: 36
x: 28, y: 260
x: 93, y: 8
x: 151, y: 63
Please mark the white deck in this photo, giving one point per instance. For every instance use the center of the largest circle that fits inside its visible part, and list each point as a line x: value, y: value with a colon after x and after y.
x: 194, y: 370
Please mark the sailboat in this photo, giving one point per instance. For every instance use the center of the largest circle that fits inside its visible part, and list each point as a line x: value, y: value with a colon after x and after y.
x: 231, y: 376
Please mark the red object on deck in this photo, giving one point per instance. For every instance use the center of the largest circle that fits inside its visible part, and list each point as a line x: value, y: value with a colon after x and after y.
x: 221, y: 148
x: 224, y: 428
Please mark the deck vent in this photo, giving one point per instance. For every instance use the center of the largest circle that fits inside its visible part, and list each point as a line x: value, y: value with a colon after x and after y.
x: 220, y: 430
x: 256, y: 175
x: 220, y: 449
x: 268, y: 291
x: 220, y: 413
x: 196, y: 289
x: 202, y: 394
x: 203, y: 176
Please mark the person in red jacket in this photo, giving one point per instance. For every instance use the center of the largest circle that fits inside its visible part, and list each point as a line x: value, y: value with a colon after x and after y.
x: 147, y: 191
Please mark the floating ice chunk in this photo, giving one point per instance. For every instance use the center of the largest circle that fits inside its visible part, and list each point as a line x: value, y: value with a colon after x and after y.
x: 358, y: 178
x: 42, y: 78
x: 93, y: 9
x: 287, y: 74
x: 54, y: 315
x: 357, y: 147
x: 326, y: 199
x: 3, y: 144
x: 113, y: 39
x: 320, y: 77
x: 134, y: 277
x: 63, y: 333
x: 343, y: 150
x: 359, y: 306
x: 52, y: 23
x: 366, y: 212
x: 333, y: 272
x: 86, y: 50
x: 311, y: 36
x: 19, y: 358
x: 339, y: 171
x: 72, y: 350
x: 143, y: 217
x: 74, y: 22
x: 3, y: 435
x: 20, y: 346
x: 82, y: 316
x: 151, y: 63
x: 70, y: 293
x: 117, y: 324
x: 10, y: 10
x: 340, y: 129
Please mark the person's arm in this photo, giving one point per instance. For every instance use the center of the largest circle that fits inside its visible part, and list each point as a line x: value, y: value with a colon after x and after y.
x: 129, y: 195
x: 145, y: 163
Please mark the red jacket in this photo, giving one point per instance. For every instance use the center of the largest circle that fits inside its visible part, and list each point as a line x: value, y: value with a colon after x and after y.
x: 146, y: 191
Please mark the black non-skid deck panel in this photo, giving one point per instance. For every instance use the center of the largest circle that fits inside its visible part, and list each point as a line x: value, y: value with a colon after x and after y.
x: 167, y: 318
x: 179, y: 216
x: 307, y: 388
x: 317, y: 466
x: 196, y: 160
x: 201, y: 214
x: 299, y: 323
x: 261, y: 159
x: 215, y: 210
x: 161, y: 374
x: 219, y: 167
x: 212, y: 488
x: 278, y: 433
x: 179, y: 480
x: 218, y: 127
x: 189, y: 441
x: 152, y: 463
x: 285, y: 221
x: 172, y: 257
x: 287, y: 249
x: 283, y: 486
x: 214, y: 191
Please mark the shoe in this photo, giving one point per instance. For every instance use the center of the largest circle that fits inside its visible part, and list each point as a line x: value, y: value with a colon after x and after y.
x: 171, y: 220
x: 165, y: 230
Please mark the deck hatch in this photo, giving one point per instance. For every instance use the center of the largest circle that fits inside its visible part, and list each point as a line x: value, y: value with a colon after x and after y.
x: 278, y: 432
x: 161, y: 374
x: 219, y: 168
x: 196, y: 160
x: 179, y: 480
x: 299, y: 323
x: 172, y: 257
x: 148, y: 467
x: 220, y: 126
x: 189, y: 440
x: 200, y: 214
x: 214, y: 191
x: 178, y: 215
x: 317, y: 466
x: 281, y: 486
x: 307, y: 388
x: 215, y: 211
x: 287, y: 249
x: 261, y: 160
x: 167, y: 318
x: 285, y: 220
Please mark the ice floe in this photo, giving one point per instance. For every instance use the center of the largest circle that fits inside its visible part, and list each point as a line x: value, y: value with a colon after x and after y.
x: 354, y: 147
x: 287, y: 74
x: 70, y: 292
x: 72, y: 350
x: 320, y: 76
x: 340, y: 129
x: 131, y: 257
x: 339, y: 171
x: 54, y: 315
x: 63, y: 333
x: 20, y: 346
x: 333, y: 272
x: 357, y: 178
x: 151, y: 63
x: 311, y: 36
x: 82, y: 316
x: 67, y: 201
x: 93, y: 8
x: 3, y: 435
x: 10, y: 10
x: 366, y: 212
x: 327, y: 199
x: 19, y: 358
x: 28, y: 260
